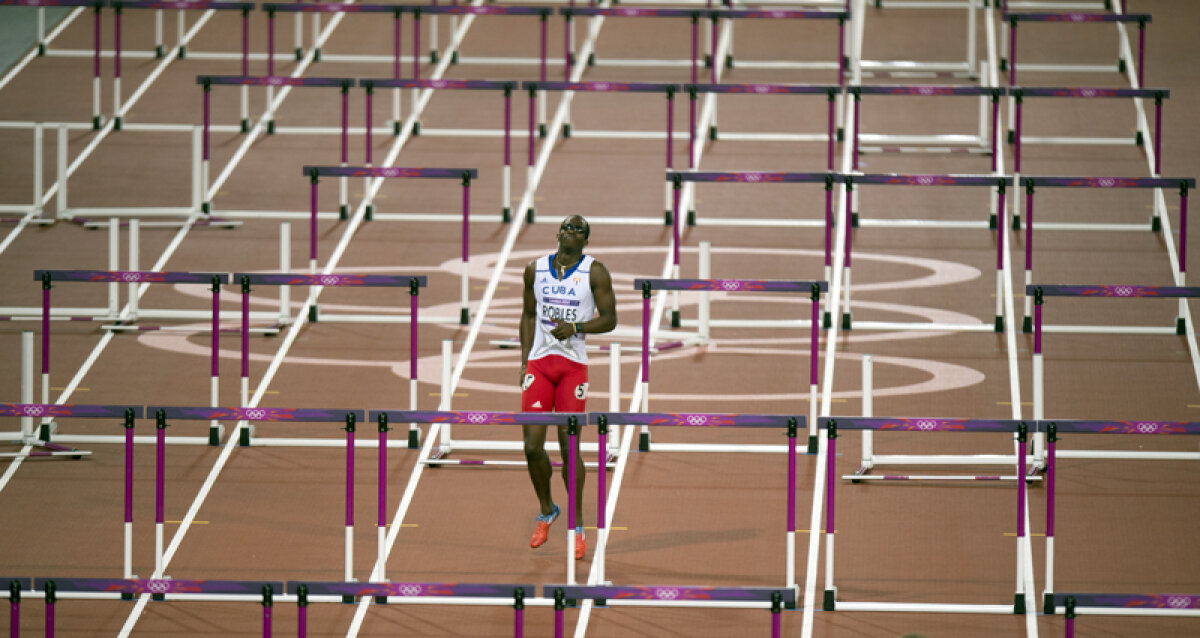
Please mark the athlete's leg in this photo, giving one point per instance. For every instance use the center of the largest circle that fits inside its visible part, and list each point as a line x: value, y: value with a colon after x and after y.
x: 538, y: 463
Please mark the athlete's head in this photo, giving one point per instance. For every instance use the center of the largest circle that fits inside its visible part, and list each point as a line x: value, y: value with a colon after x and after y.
x: 576, y: 224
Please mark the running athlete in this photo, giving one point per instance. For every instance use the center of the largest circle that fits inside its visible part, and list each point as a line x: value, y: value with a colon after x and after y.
x: 567, y: 294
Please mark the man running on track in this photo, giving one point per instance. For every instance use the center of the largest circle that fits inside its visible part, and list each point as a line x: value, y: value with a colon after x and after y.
x: 567, y: 294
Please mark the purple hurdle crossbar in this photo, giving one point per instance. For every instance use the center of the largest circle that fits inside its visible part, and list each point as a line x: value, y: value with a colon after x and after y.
x: 1052, y: 427
x: 928, y: 90
x: 774, y: 598
x: 1013, y: 18
x: 709, y: 420
x: 134, y: 276
x: 1019, y: 93
x: 815, y: 288
x: 158, y: 588
x: 1183, y: 184
x: 1001, y: 182
x: 897, y: 424
x: 830, y: 91
x: 382, y: 592
x: 472, y: 417
x: 1168, y: 603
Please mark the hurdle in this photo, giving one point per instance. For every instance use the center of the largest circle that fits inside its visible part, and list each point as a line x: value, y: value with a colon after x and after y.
x: 1024, y: 564
x: 1039, y: 293
x: 269, y: 81
x: 1157, y: 222
x: 284, y: 280
x: 539, y: 88
x: 157, y: 588
x: 982, y: 141
x: 411, y: 592
x: 443, y: 419
x: 715, y: 16
x: 1053, y: 428
x: 995, y: 221
x: 506, y: 87
x: 1020, y: 93
x: 1125, y: 605
x: 395, y: 172
x: 1121, y: 19
x: 29, y: 411
x: 962, y: 68
x: 831, y: 92
x: 134, y: 279
x: 790, y: 423
x: 243, y: 416
x: 814, y: 288
x: 671, y: 595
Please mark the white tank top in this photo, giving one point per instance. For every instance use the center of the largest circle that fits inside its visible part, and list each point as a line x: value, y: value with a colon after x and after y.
x: 568, y: 299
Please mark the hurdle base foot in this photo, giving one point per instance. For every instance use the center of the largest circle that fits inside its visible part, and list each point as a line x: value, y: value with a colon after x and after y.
x: 381, y: 600
x: 245, y: 126
x: 344, y: 212
x: 414, y: 439
x: 126, y: 596
x: 1180, y: 326
x: 729, y: 61
x: 41, y: 49
x: 854, y: 220
x: 708, y: 60
x: 370, y: 212
x: 840, y: 135
x: 643, y: 442
x: 206, y: 208
x: 397, y: 126
x: 829, y: 603
x: 691, y: 218
x: 117, y: 121
x: 416, y: 129
x: 214, y: 435
x: 566, y: 130
x: 1012, y: 136
x: 1016, y: 225
x: 1156, y: 224
x: 1138, y: 140
x: 1003, y: 64
x: 314, y: 314
x: 182, y: 52
x: 542, y: 131
x: 530, y: 215
x: 591, y: 59
x: 97, y: 122
x: 666, y: 218
x: 827, y: 321
x: 244, y: 436
x: 454, y: 57
x: 1018, y: 603
x: 676, y: 320
x: 992, y: 221
x: 1027, y: 325
x: 999, y: 324
x: 712, y: 133
x: 812, y: 444
x: 846, y: 322
x: 506, y: 215
x: 159, y: 52
x: 433, y: 57
x: 47, y: 430
x: 271, y: 127
x: 1120, y: 65
x: 157, y: 597
x: 464, y: 317
x: 1048, y: 603
x: 347, y: 599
